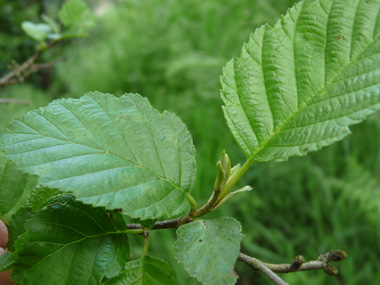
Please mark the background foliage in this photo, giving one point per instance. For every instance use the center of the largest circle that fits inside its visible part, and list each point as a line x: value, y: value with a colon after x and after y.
x: 173, y: 52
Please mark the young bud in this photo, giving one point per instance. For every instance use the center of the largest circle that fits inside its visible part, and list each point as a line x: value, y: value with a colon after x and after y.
x: 220, y: 176
x: 337, y: 255
x: 226, y: 163
x: 331, y: 269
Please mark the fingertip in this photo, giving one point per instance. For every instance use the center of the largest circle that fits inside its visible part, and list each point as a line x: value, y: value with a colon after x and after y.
x: 3, y: 234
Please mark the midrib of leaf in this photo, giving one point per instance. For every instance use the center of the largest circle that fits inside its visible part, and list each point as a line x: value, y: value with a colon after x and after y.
x: 354, y: 27
x: 125, y: 141
x: 306, y: 103
x: 102, y: 150
x: 212, y: 249
x: 153, y: 140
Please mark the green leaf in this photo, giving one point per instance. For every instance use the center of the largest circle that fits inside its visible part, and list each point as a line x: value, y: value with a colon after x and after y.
x: 52, y: 23
x: 148, y: 224
x: 40, y: 196
x: 70, y: 243
x: 209, y: 249
x: 38, y: 32
x: 230, y: 195
x: 300, y: 84
x: 117, y: 153
x: 6, y: 261
x: 76, y: 17
x: 16, y: 226
x: 146, y: 271
x: 12, y: 185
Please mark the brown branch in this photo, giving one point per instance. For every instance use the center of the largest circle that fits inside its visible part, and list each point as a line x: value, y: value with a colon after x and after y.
x: 257, y: 265
x: 13, y: 101
x: 298, y: 263
x: 22, y: 72
x: 170, y: 224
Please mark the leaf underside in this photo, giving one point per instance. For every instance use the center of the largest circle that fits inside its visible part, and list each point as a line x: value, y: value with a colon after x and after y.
x: 108, y: 151
x: 146, y: 271
x: 6, y: 261
x: 70, y: 243
x: 209, y: 249
x: 300, y: 84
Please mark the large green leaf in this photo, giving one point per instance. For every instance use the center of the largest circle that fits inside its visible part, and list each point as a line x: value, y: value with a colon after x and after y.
x: 70, y: 243
x: 146, y: 271
x: 117, y: 153
x: 300, y: 84
x: 209, y: 249
x: 12, y: 186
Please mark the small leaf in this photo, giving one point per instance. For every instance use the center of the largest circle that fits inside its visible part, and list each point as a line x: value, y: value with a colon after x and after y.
x: 70, y: 243
x: 53, y: 24
x: 12, y: 186
x: 146, y: 271
x: 76, y: 17
x: 6, y: 261
x: 230, y: 195
x: 209, y: 249
x: 38, y: 32
x: 108, y: 151
x: 40, y: 196
x: 300, y: 84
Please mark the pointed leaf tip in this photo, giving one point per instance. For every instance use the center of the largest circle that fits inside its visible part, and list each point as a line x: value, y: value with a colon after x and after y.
x: 300, y: 84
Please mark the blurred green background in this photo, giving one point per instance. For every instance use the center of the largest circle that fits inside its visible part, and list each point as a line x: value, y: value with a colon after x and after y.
x: 172, y: 52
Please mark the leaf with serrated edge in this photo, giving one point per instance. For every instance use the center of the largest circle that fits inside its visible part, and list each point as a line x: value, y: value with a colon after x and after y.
x: 16, y: 226
x: 6, y: 261
x: 41, y: 195
x: 70, y: 243
x: 146, y: 271
x: 12, y: 185
x: 300, y: 84
x: 108, y: 151
x: 209, y: 249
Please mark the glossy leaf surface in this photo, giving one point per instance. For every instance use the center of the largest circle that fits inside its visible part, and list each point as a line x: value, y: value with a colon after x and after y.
x: 70, y: 243
x: 300, y: 84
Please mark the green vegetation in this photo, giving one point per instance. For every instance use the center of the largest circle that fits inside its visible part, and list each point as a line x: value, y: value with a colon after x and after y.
x: 173, y: 53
